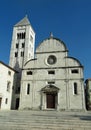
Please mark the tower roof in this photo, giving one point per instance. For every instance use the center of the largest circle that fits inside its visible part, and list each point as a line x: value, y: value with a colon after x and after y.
x: 22, y: 22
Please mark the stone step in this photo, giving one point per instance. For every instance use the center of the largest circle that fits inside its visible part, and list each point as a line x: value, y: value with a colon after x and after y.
x: 34, y: 124
x: 50, y: 127
x: 41, y: 120
x: 48, y: 119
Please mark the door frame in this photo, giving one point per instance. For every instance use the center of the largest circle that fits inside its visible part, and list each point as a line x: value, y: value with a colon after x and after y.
x: 44, y: 91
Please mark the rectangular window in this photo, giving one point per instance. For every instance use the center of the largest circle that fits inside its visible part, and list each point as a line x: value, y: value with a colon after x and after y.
x: 29, y: 72
x: 51, y: 82
x: 75, y: 88
x: 22, y: 53
x: 23, y: 45
x: 8, y: 86
x: 24, y: 35
x: 21, y: 35
x: 75, y: 71
x: 6, y: 101
x: 17, y: 45
x: 51, y: 72
x: 18, y: 36
x: 28, y: 89
x: 16, y: 54
x: 9, y: 72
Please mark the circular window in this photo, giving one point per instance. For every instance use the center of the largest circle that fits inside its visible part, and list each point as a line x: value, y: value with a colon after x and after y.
x: 51, y: 59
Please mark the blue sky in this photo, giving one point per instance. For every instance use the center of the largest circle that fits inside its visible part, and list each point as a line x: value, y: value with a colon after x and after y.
x: 68, y: 20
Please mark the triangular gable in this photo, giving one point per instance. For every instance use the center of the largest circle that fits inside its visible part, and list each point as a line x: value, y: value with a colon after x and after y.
x: 24, y: 21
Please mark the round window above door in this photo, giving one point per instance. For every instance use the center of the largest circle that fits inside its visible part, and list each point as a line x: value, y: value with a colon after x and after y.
x: 51, y: 60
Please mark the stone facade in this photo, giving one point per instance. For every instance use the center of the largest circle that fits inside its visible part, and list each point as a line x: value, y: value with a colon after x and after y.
x: 52, y: 80
x: 7, y: 75
x: 48, y: 79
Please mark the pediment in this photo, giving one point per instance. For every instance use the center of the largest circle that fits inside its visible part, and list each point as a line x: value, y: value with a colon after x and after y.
x: 50, y: 88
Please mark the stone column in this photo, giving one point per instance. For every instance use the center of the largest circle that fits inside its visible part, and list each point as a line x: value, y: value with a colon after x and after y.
x: 42, y: 101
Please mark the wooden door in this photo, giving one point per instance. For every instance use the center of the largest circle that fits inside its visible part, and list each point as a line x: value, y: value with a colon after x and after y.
x: 50, y: 100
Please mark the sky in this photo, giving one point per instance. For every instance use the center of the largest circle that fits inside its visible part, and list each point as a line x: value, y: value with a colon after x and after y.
x: 68, y: 20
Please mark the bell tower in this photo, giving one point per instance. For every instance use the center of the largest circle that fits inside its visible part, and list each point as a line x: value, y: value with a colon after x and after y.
x: 22, y: 50
x: 22, y: 47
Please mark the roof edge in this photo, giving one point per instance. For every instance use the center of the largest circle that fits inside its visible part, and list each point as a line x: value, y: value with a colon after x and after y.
x: 29, y: 61
x: 76, y: 60
x: 54, y: 39
x: 8, y: 66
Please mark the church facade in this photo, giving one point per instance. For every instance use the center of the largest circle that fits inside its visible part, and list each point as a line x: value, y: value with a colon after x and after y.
x: 47, y: 79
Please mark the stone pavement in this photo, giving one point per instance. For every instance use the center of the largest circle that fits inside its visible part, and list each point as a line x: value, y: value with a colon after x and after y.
x: 44, y: 120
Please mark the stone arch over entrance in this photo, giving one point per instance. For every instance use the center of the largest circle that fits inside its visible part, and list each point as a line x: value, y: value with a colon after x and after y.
x: 49, y: 97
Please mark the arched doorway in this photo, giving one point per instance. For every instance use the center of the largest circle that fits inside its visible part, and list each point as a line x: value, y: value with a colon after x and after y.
x: 49, y: 97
